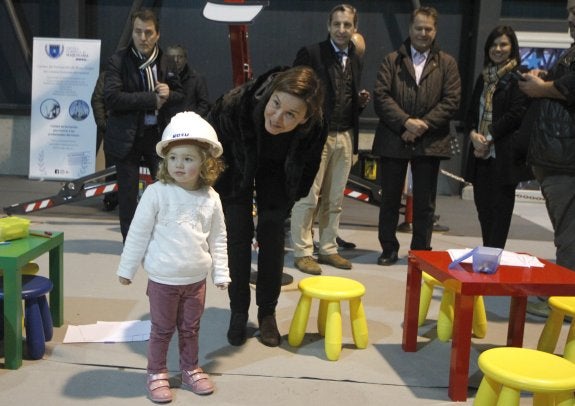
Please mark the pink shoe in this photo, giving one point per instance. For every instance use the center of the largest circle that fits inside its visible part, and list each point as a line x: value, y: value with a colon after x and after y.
x: 159, y: 388
x: 197, y: 381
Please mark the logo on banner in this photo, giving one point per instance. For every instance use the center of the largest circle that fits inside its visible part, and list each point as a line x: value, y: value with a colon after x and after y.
x: 50, y: 109
x: 79, y: 110
x: 54, y: 50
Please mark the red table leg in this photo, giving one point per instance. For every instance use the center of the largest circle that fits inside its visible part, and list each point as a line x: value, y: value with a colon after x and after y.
x: 411, y: 310
x: 460, y: 348
x: 516, y: 321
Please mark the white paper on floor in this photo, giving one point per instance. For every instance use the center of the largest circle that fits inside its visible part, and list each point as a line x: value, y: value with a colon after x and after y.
x: 109, y: 332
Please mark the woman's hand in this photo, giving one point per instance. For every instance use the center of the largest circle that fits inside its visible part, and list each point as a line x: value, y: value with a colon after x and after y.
x: 222, y: 286
x: 480, y: 144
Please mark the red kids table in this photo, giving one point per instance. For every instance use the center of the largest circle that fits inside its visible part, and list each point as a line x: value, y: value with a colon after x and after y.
x: 516, y: 282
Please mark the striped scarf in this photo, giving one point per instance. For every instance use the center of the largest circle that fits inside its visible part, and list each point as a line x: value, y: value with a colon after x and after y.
x: 146, y: 67
x: 491, y: 75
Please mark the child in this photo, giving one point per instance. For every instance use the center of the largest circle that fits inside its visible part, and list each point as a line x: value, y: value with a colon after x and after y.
x: 178, y: 234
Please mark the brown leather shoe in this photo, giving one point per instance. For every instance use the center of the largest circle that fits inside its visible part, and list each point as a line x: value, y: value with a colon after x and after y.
x: 269, y: 333
x: 307, y: 265
x: 334, y: 260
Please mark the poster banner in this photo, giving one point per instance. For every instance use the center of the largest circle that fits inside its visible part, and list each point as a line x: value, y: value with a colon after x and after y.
x: 62, y: 127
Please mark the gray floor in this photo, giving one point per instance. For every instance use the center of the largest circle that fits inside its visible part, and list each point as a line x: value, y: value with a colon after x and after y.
x: 382, y: 374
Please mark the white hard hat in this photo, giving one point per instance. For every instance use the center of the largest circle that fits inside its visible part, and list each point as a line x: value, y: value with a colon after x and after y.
x: 189, y: 126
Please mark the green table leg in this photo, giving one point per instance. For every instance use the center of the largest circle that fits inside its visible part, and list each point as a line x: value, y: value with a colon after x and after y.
x: 57, y: 278
x: 13, y: 317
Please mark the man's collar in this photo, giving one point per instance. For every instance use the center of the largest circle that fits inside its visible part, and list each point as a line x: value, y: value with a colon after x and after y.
x: 416, y: 52
x: 336, y: 49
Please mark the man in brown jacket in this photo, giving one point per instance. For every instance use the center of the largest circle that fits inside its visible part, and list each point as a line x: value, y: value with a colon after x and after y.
x: 416, y: 94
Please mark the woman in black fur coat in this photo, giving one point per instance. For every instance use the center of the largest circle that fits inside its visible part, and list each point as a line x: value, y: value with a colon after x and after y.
x: 270, y: 129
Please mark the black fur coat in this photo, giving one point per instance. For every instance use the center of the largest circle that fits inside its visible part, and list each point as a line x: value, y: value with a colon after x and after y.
x: 238, y: 118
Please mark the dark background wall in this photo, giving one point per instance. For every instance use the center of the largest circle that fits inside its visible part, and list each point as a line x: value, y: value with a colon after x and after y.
x: 274, y: 38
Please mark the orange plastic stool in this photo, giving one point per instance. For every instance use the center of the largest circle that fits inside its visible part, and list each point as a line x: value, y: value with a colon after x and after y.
x: 510, y: 370
x: 445, y: 318
x: 561, y: 306
x: 330, y: 290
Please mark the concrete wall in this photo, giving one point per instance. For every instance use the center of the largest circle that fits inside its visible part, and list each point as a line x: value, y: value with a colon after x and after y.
x: 14, y: 144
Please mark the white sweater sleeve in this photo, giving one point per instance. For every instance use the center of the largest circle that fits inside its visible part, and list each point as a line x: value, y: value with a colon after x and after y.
x: 139, y: 234
x: 217, y: 242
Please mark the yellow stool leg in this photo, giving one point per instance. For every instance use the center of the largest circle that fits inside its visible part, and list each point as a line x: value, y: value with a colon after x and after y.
x: 424, y: 301
x: 542, y: 399
x: 299, y: 321
x: 569, y: 351
x: 321, y: 317
x: 487, y: 393
x: 333, y: 331
x: 508, y: 396
x: 445, y: 318
x: 550, y: 334
x: 479, y: 317
x: 562, y: 399
x: 358, y: 323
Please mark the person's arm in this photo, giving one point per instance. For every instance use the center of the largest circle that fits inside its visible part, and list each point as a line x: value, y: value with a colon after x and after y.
x: 217, y: 243
x: 536, y: 87
x: 440, y: 115
x: 118, y: 96
x: 139, y: 235
x: 386, y: 107
x: 175, y: 91
x: 201, y: 99
x: 97, y: 102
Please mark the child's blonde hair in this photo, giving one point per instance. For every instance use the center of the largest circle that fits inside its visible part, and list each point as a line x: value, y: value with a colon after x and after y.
x: 210, y: 170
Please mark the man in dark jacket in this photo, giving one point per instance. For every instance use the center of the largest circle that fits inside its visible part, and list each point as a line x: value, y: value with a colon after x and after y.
x: 339, y: 69
x: 549, y: 122
x: 101, y: 116
x: 141, y: 86
x: 416, y: 94
x: 194, y: 84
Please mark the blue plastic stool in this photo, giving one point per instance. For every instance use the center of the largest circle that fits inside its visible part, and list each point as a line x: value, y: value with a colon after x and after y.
x: 37, y: 318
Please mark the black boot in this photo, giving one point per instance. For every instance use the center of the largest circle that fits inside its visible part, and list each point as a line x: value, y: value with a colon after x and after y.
x: 269, y: 333
x: 237, y: 330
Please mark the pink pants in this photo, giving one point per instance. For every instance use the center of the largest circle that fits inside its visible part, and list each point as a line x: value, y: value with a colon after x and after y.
x: 174, y: 306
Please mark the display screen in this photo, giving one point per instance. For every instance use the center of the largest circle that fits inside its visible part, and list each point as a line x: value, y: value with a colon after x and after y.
x: 539, y: 58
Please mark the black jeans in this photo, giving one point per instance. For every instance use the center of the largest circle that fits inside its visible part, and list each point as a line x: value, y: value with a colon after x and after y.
x: 494, y: 202
x: 273, y: 208
x: 128, y: 173
x: 424, y: 172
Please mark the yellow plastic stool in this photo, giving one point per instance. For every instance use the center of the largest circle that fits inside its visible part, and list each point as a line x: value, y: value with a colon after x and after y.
x: 330, y: 290
x: 510, y: 370
x: 31, y: 268
x: 561, y: 306
x: 445, y: 318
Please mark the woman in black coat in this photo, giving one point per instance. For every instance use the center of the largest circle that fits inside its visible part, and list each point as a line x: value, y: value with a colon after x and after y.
x: 270, y: 129
x: 497, y: 108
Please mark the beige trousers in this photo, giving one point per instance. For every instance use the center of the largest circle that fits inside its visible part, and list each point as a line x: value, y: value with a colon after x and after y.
x: 325, y: 195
